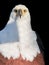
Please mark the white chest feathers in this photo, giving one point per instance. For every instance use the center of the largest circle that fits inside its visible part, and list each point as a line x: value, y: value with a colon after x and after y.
x: 27, y: 46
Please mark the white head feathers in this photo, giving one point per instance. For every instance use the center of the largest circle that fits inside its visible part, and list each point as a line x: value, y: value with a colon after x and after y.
x: 23, y: 11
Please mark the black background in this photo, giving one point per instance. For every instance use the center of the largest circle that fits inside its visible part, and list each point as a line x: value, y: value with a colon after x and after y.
x: 38, y: 11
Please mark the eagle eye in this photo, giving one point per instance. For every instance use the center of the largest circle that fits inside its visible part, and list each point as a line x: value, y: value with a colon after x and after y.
x: 25, y: 10
x: 15, y: 10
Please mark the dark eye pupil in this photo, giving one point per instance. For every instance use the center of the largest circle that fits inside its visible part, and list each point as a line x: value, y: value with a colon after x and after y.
x: 15, y: 10
x: 24, y: 10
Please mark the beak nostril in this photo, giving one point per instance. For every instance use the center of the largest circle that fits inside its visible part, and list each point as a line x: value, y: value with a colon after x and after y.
x: 20, y: 12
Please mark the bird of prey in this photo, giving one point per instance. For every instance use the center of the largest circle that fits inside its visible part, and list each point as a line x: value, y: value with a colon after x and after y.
x: 18, y: 39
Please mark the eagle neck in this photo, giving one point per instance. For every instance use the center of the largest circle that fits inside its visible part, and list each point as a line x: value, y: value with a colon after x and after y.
x: 24, y: 28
